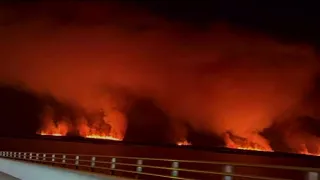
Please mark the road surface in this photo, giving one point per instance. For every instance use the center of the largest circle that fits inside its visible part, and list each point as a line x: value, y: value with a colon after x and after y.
x: 4, y: 176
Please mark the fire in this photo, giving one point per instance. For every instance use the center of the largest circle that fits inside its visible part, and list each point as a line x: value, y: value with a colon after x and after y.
x: 304, y: 150
x: 183, y: 143
x: 95, y: 132
x: 85, y: 131
x: 95, y: 136
x: 52, y: 129
x: 48, y: 134
x: 245, y: 144
x: 250, y: 147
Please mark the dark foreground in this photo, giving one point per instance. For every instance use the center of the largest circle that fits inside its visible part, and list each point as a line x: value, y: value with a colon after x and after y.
x: 98, y: 147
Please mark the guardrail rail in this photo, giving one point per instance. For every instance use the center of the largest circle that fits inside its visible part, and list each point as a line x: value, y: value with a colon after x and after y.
x: 152, y: 168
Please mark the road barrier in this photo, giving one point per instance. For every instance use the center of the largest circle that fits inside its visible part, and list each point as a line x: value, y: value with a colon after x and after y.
x: 153, y: 168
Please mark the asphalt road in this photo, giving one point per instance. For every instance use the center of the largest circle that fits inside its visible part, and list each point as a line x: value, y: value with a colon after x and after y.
x: 4, y: 176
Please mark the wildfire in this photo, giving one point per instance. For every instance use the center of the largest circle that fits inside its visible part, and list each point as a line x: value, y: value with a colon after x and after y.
x: 61, y: 129
x: 97, y: 132
x: 245, y: 144
x: 95, y: 136
x: 304, y: 150
x: 48, y: 134
x: 183, y: 143
x: 51, y: 129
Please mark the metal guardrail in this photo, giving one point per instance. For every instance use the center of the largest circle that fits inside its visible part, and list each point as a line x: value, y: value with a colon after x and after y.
x: 173, y: 168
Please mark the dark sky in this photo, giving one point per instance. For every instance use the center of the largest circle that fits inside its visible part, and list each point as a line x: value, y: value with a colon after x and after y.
x: 291, y: 20
x: 296, y: 20
x: 286, y: 21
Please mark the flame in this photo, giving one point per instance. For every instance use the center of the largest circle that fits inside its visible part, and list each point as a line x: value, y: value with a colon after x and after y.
x: 87, y: 132
x: 50, y: 134
x: 183, y: 143
x: 97, y: 136
x: 96, y: 132
x: 245, y: 144
x: 52, y: 129
x: 304, y: 150
x: 62, y: 128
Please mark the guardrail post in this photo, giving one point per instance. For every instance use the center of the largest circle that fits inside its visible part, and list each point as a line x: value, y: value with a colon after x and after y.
x: 93, y: 159
x: 77, y: 162
x: 24, y: 155
x: 53, y: 158
x: 312, y: 176
x: 7, y: 154
x: 14, y: 155
x: 227, y: 169
x: 10, y: 154
x: 175, y: 172
x: 30, y: 156
x: 64, y: 160
x: 19, y: 155
x: 44, y: 157
x: 37, y: 156
x: 113, y: 165
x: 139, y: 168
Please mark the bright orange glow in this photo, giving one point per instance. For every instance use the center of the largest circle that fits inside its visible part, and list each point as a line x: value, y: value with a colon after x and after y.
x: 183, y: 143
x: 97, y: 132
x: 245, y: 144
x: 51, y: 129
x: 103, y: 137
x: 307, y: 152
x: 250, y: 147
x: 61, y: 129
x: 46, y: 134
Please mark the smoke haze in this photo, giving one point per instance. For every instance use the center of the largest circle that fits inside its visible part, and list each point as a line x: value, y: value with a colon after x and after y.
x: 219, y: 80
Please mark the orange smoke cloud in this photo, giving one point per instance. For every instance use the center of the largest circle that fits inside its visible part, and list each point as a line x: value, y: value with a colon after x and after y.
x: 219, y: 81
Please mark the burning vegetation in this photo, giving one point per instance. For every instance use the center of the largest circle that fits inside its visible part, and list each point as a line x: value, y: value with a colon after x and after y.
x: 236, y: 142
x: 226, y: 81
x: 97, y: 128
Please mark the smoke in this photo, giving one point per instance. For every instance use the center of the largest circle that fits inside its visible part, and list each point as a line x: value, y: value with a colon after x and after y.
x: 224, y: 79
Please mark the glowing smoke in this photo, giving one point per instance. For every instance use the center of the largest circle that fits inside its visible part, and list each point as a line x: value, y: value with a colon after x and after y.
x: 221, y: 80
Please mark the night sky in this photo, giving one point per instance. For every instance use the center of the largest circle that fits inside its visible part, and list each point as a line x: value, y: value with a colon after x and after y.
x: 286, y: 21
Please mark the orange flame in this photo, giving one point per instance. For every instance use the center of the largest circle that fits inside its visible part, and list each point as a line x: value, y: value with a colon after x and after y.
x: 183, y: 143
x: 88, y: 132
x: 61, y: 129
x: 307, y: 152
x: 245, y: 144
